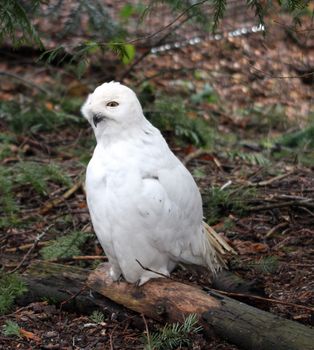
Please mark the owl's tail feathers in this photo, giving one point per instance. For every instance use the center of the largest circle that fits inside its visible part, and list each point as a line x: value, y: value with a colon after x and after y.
x: 216, y: 249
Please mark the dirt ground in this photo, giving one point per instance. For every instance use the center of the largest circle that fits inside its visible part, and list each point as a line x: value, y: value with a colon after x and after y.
x: 263, y: 92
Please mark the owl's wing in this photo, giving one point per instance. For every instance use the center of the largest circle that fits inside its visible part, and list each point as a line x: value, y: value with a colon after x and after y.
x: 170, y: 206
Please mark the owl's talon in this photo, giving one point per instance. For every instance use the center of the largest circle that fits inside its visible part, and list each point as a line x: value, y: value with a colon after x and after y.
x: 120, y: 279
x: 138, y: 283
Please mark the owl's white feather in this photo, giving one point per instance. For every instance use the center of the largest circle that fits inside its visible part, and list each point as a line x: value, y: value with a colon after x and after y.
x: 144, y: 204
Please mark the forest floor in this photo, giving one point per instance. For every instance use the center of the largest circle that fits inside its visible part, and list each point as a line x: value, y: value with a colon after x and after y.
x: 242, y: 128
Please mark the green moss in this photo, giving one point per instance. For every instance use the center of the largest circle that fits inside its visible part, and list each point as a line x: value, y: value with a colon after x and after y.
x: 11, y: 286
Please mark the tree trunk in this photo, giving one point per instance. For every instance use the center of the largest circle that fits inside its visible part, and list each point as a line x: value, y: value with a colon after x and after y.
x: 166, y: 300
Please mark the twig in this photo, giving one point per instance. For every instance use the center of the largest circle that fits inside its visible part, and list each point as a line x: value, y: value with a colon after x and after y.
x: 305, y: 203
x: 165, y: 71
x: 198, y: 153
x: 275, y: 228
x: 25, y: 82
x: 79, y: 258
x: 148, y: 269
x: 262, y: 298
x: 34, y: 245
x: 148, y: 51
x: 307, y: 210
x: 57, y: 201
x: 111, y: 338
x: 25, y: 246
x: 225, y: 185
x: 280, y: 76
x: 146, y: 328
x: 288, y: 196
x: 169, y: 24
x: 301, y: 265
x: 270, y: 181
x: 73, y: 296
x: 193, y: 155
x: 284, y: 25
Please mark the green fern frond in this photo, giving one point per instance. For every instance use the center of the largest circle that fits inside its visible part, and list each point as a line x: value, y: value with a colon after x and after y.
x: 34, y: 176
x: 57, y: 175
x: 33, y: 116
x: 11, y: 286
x: 66, y: 246
x: 219, y: 202
x: 39, y: 175
x: 174, y: 335
x: 170, y: 115
x: 30, y: 173
x: 97, y: 317
x: 11, y: 329
x: 254, y: 158
x: 268, y: 264
x: 300, y: 138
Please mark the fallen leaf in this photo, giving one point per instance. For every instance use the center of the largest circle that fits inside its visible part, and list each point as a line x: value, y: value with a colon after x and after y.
x: 49, y: 106
x: 29, y: 335
x: 248, y: 247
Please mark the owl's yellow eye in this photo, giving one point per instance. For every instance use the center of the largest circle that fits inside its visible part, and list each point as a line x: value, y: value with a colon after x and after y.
x: 112, y: 104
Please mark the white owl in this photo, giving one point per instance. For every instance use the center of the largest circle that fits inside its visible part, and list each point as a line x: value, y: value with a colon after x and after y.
x: 144, y: 204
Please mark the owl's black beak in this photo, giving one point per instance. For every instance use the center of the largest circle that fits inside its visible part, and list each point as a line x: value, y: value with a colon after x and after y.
x: 97, y: 118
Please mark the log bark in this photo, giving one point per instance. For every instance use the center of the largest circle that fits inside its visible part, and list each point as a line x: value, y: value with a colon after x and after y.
x: 66, y: 285
x: 166, y: 300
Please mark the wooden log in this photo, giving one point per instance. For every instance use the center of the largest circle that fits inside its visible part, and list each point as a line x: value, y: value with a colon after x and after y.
x: 66, y: 285
x: 166, y: 300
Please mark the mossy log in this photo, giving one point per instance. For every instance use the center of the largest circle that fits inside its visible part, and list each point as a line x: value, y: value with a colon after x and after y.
x: 166, y: 300
x: 65, y: 285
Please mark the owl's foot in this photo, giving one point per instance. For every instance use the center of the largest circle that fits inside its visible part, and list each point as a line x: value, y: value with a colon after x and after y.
x: 147, y: 275
x: 115, y: 273
x: 120, y: 279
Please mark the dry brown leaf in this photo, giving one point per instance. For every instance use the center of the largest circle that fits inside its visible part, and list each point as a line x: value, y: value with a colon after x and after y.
x: 29, y: 335
x: 248, y: 247
x: 49, y: 106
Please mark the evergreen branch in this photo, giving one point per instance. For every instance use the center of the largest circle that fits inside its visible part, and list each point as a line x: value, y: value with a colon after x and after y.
x: 174, y: 335
x: 293, y: 5
x: 259, y: 10
x: 13, y: 17
x: 219, y: 11
x: 170, y: 24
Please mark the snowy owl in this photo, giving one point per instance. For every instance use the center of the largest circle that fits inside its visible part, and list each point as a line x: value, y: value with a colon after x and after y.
x: 145, y: 206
